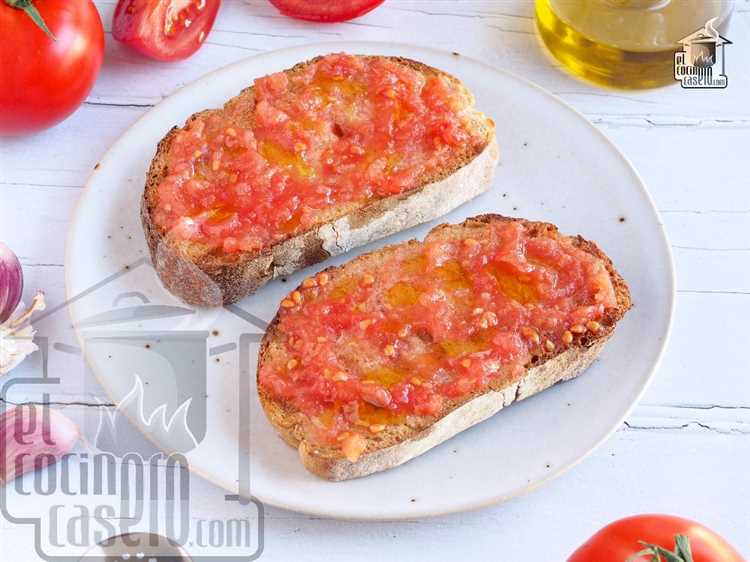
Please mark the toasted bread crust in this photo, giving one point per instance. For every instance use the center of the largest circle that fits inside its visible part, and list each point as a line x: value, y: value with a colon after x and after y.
x: 399, y: 444
x: 202, y: 278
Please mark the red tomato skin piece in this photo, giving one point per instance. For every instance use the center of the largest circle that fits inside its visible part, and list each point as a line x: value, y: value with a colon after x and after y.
x: 619, y: 540
x: 325, y: 11
x: 44, y: 81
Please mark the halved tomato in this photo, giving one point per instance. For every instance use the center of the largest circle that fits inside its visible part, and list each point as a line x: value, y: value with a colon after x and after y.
x: 325, y: 11
x: 164, y: 29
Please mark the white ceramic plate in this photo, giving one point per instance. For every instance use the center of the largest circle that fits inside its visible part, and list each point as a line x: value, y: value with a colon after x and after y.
x: 555, y: 166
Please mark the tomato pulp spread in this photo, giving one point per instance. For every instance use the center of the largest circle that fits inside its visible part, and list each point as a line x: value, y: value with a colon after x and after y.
x: 423, y: 324
x: 341, y: 130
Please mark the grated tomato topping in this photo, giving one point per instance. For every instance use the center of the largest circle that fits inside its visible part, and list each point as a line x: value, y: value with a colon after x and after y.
x: 429, y: 323
x: 340, y: 131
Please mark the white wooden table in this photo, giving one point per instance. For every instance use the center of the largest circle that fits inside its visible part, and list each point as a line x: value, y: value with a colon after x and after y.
x: 685, y: 449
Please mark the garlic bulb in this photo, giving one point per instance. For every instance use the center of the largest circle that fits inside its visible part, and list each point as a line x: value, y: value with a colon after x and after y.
x: 11, y: 282
x: 16, y: 334
x: 32, y: 437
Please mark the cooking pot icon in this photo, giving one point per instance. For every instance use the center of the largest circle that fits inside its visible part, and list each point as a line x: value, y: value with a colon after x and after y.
x: 156, y: 376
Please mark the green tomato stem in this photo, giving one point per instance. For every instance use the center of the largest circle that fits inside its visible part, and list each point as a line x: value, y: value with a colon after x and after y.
x: 33, y: 13
x: 658, y: 553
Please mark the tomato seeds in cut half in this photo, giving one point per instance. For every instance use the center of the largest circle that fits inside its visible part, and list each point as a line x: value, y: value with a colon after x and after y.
x: 164, y: 30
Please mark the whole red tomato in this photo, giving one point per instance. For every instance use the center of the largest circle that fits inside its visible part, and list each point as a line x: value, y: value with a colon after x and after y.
x: 43, y: 80
x: 624, y: 540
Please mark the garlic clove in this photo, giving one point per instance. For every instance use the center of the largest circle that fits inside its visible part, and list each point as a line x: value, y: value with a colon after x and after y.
x: 32, y: 437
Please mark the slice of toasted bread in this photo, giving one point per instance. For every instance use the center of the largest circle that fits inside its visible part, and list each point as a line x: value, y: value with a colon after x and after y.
x: 205, y: 277
x: 399, y: 443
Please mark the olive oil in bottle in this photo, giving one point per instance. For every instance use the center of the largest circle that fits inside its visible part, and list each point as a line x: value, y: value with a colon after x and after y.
x: 624, y: 43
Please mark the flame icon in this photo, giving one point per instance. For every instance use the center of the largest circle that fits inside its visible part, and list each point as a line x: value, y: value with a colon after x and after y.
x: 157, y: 427
x: 704, y: 58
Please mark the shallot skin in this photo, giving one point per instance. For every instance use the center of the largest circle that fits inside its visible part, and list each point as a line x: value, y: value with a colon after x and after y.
x: 11, y: 282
